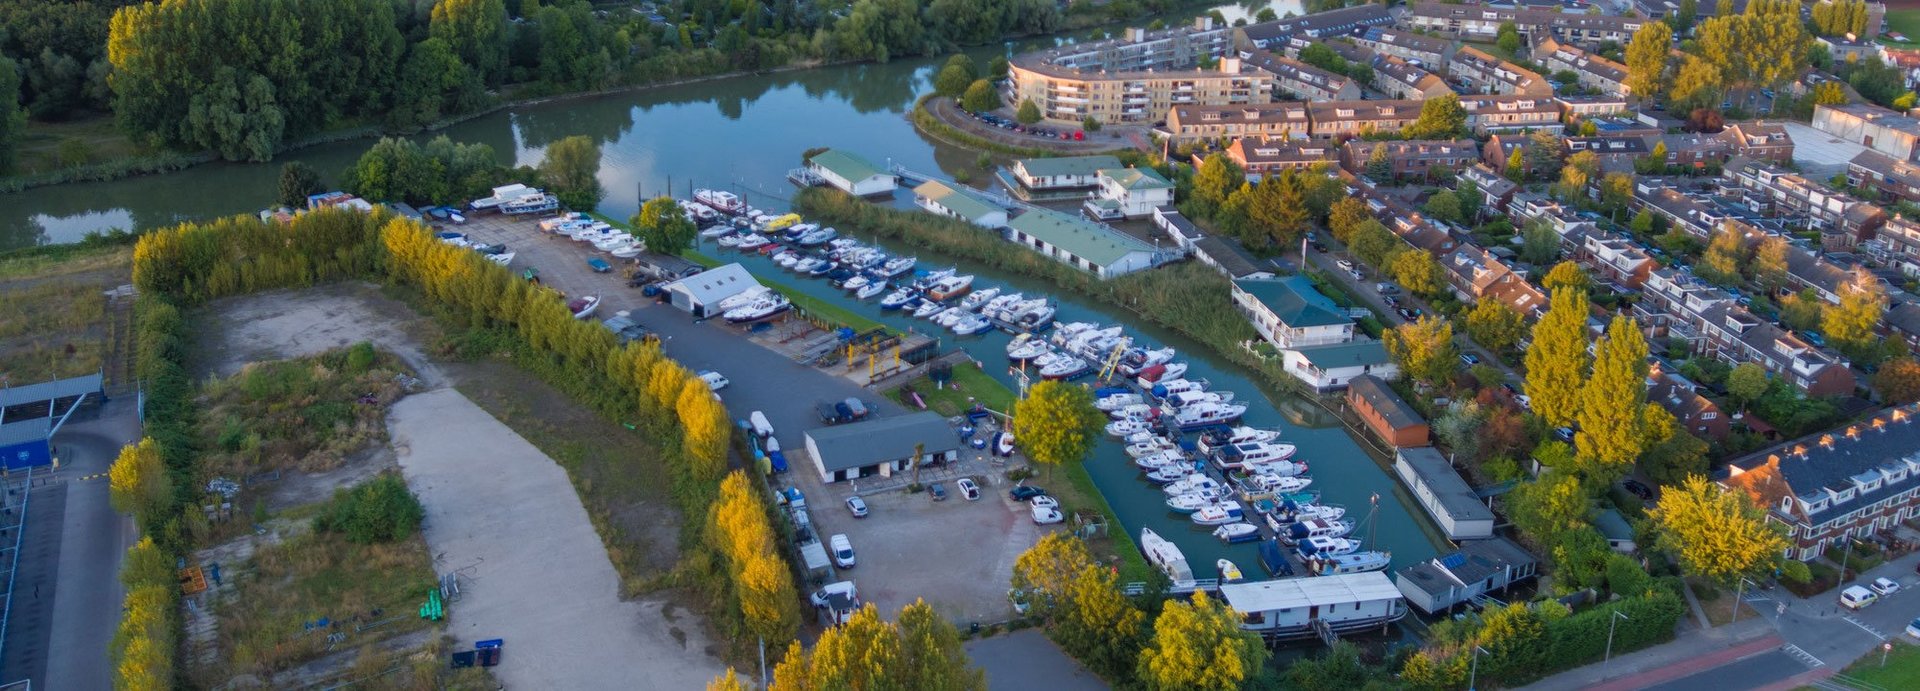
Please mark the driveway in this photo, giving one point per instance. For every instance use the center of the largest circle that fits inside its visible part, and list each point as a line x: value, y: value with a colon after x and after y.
x: 1026, y: 659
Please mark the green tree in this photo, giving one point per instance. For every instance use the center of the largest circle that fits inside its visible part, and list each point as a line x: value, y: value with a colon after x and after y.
x: 1850, y: 324
x: 1028, y: 113
x: 1056, y: 423
x: 1567, y: 274
x: 980, y: 97
x: 1802, y: 311
x: 1746, y: 383
x: 1090, y: 124
x: 13, y: 118
x: 1545, y: 154
x: 1612, y: 403
x: 1508, y: 39
x: 297, y: 181
x: 1553, y: 504
x: 1200, y: 647
x: 998, y: 68
x: 571, y: 169
x: 953, y: 80
x: 476, y: 30
x: 1423, y: 348
x: 1441, y: 117
x: 1683, y: 18
x: 1539, y: 242
x: 1378, y: 168
x: 1339, y: 669
x: 137, y: 484
x: 378, y: 510
x: 1494, y: 325
x: 1445, y: 205
x: 1373, y: 243
x: 1698, y: 84
x: 1647, y: 59
x: 1726, y: 254
x: 1216, y: 180
x: 147, y: 565
x: 1672, y: 454
x: 1278, y: 210
x: 1643, y: 223
x: 1898, y: 381
x: 433, y: 81
x: 664, y: 226
x: 1716, y: 534
x: 1557, y: 360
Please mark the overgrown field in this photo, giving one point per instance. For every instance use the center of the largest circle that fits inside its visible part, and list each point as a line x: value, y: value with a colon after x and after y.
x: 53, y: 313
x: 305, y: 414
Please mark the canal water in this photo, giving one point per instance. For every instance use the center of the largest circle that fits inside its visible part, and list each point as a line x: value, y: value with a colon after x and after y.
x: 744, y: 134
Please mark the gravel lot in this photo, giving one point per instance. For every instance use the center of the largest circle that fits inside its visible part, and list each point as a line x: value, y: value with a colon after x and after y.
x: 957, y: 555
x: 504, y: 516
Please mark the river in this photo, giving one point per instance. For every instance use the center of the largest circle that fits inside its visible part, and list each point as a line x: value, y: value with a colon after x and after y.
x: 744, y: 133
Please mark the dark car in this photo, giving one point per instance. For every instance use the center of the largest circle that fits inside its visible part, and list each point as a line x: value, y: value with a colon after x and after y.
x: 1319, y: 247
x: 1391, y: 301
x: 1639, y: 490
x: 1406, y: 313
x: 491, y: 250
x: 1470, y: 359
x: 833, y: 413
x: 938, y: 491
x: 1025, y: 492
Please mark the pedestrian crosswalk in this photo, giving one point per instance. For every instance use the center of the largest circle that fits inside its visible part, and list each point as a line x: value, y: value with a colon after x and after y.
x: 1802, y: 655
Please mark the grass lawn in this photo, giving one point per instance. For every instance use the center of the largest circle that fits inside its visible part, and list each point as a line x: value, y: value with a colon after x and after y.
x: 969, y: 385
x: 318, y: 575
x: 52, y: 146
x: 53, y: 312
x: 1905, y: 21
x: 1902, y: 670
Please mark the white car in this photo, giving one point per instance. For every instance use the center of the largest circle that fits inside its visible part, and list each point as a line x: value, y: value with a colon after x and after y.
x: 1344, y: 264
x: 1857, y: 597
x: 1043, y: 514
x: 1046, y: 501
x: 1884, y: 586
x: 715, y: 381
x: 968, y: 489
x: 819, y: 597
x: 842, y: 549
x: 1913, y: 628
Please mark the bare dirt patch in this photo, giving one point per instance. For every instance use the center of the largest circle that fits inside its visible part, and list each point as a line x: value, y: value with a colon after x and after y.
x: 295, y: 323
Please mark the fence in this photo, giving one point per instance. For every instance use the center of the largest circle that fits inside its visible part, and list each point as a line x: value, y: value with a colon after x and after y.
x: 19, y: 528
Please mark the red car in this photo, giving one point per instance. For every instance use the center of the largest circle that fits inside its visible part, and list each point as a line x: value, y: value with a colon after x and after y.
x: 1079, y: 136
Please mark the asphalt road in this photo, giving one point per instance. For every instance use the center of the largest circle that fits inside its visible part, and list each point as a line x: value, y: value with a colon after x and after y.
x: 1746, y: 673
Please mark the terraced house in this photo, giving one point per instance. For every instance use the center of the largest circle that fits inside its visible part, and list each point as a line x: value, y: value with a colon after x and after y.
x: 1482, y: 22
x: 1406, y: 45
x: 1136, y: 78
x: 1487, y: 114
x: 1593, y: 71
x: 1339, y: 22
x: 1284, y: 119
x: 1897, y: 244
x: 1413, y: 158
x: 1259, y: 157
x: 1480, y: 72
x: 1299, y: 80
x: 1354, y: 118
x: 1839, y: 485
x: 1401, y: 79
x: 1844, y: 219
x: 1893, y: 178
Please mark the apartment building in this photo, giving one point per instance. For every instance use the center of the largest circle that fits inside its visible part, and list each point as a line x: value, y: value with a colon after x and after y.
x: 1830, y: 488
x: 1590, y: 107
x: 1135, y: 79
x: 1280, y: 120
x: 1414, y: 158
x: 1894, y: 178
x: 1406, y: 45
x: 1593, y: 71
x: 1480, y: 72
x: 1298, y: 80
x: 1769, y: 189
x: 1871, y: 126
x: 1482, y: 22
x: 1259, y: 157
x: 1402, y: 79
x: 1488, y: 114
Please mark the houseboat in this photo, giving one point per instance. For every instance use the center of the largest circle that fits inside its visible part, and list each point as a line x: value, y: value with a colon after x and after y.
x: 1168, y: 558
x: 720, y: 200
x: 1294, y: 608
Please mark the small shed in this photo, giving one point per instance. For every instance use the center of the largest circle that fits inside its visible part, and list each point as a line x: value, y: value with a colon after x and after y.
x: 701, y: 293
x: 852, y: 174
x: 1616, y: 530
x: 880, y: 446
x: 1443, y: 493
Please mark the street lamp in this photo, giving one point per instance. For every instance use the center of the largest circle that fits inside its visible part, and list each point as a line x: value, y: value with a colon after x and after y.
x: 1739, y: 590
x: 1846, y: 550
x: 1474, y: 672
x: 1611, y: 625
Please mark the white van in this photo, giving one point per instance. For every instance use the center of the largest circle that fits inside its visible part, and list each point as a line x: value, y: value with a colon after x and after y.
x: 1857, y: 597
x: 760, y: 425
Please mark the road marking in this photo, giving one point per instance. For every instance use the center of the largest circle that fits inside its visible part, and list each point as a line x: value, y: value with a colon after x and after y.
x: 94, y: 476
x: 1864, y: 627
x: 1803, y: 655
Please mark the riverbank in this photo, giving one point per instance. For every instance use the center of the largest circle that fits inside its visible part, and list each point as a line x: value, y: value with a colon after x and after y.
x: 938, y: 117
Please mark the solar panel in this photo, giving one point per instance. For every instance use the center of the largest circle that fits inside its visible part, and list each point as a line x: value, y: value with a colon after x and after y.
x: 1454, y: 561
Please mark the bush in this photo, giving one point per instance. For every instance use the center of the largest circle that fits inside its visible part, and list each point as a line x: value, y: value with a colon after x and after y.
x: 380, y: 510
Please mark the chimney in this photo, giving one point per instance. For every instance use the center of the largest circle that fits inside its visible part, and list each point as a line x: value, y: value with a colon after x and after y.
x: 1853, y: 432
x: 1799, y: 450
x: 1826, y: 441
x: 1880, y: 424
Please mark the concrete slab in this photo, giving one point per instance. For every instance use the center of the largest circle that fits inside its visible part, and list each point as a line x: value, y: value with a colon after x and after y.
x: 534, y: 572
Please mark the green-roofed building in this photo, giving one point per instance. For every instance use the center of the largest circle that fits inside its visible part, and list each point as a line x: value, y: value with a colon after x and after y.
x: 1062, y: 172
x: 1290, y: 313
x: 959, y: 202
x: 1333, y: 367
x: 1136, y: 191
x: 1080, y: 243
x: 852, y: 174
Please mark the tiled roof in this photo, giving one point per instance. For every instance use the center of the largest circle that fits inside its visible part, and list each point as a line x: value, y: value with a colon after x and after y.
x: 1834, y: 459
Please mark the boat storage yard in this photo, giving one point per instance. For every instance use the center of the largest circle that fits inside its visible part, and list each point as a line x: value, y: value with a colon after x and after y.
x: 1192, y: 479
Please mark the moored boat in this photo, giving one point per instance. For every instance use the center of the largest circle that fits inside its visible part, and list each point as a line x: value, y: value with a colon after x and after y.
x: 1166, y: 556
x: 974, y: 301
x: 1237, y: 532
x: 897, y: 299
x: 949, y: 287
x: 583, y: 307
x: 1344, y: 564
x: 1221, y: 513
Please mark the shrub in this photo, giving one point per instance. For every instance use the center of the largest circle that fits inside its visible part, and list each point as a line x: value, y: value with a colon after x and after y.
x: 379, y: 510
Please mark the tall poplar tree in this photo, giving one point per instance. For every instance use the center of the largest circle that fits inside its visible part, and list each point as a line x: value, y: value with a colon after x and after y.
x: 1557, y: 360
x: 1611, y: 404
x: 1647, y: 59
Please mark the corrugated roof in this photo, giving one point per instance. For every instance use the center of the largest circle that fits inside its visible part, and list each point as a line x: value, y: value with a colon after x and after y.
x: 958, y: 200
x: 1080, y: 238
x: 1067, y: 165
x: 1352, y: 354
x: 1294, y: 301
x: 881, y: 440
x: 49, y: 390
x: 1136, y: 178
x: 1299, y: 593
x: 1445, y: 484
x: 846, y: 165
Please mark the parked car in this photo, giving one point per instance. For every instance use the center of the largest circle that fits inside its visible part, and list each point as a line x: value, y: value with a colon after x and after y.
x: 599, y: 265
x: 1913, y: 628
x: 968, y: 489
x: 1857, y: 597
x: 831, y: 414
x: 938, y: 491
x: 1046, y: 501
x: 1391, y: 301
x: 714, y: 380
x: 628, y: 331
x: 1636, y: 488
x: 842, y: 549
x: 1405, y: 313
x: 858, y: 506
x: 855, y: 408
x: 1470, y: 359
x: 1044, y: 515
x: 1562, y: 433
x: 1025, y: 492
x: 820, y: 597
x: 1344, y: 264
x: 1884, y: 586
x: 1386, y: 288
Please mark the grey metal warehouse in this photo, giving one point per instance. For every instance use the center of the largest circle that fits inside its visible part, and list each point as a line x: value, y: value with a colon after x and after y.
x: 701, y: 293
x: 880, y: 446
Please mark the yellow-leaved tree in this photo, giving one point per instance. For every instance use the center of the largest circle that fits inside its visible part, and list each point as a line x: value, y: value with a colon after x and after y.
x: 1611, y: 413
x: 921, y: 652
x: 1424, y: 349
x: 1048, y: 568
x: 1056, y: 423
x: 138, y: 483
x: 730, y: 681
x: 737, y: 524
x: 707, y: 430
x: 1557, y: 359
x: 1716, y: 533
x: 1199, y: 646
x: 1851, y: 323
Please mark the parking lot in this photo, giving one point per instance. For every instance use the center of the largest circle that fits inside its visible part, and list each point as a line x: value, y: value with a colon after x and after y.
x: 957, y: 555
